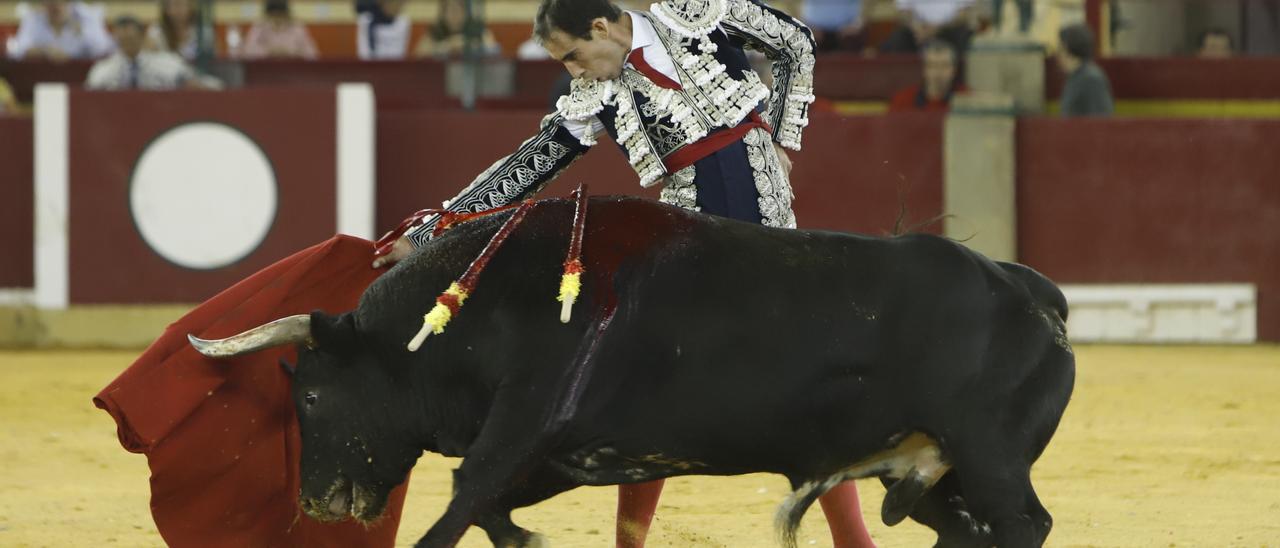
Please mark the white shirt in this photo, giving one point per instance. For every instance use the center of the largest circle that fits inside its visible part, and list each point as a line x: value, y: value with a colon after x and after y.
x: 155, y: 70
x: 188, y: 50
x: 531, y: 50
x: 934, y: 12
x: 84, y: 36
x: 831, y: 15
x: 645, y: 38
x: 389, y: 41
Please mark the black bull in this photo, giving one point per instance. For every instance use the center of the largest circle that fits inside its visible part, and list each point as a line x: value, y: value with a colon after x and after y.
x: 700, y: 346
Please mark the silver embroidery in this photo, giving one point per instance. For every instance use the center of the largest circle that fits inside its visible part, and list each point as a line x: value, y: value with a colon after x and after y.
x: 675, y: 123
x: 711, y: 97
x: 680, y: 190
x: 790, y: 48
x: 586, y: 99
x: 507, y: 179
x: 771, y: 182
x: 691, y: 18
x: 635, y: 141
x: 715, y: 93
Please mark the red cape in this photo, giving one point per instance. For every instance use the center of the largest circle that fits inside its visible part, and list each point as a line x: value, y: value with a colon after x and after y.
x: 220, y: 436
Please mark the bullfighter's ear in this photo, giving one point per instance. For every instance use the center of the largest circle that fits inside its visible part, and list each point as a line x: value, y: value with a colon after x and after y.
x: 335, y: 334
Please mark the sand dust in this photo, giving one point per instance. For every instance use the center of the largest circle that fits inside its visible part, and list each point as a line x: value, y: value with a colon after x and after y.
x: 1161, y: 446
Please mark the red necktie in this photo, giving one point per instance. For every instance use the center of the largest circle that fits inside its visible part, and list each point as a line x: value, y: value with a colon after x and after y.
x: 636, y: 58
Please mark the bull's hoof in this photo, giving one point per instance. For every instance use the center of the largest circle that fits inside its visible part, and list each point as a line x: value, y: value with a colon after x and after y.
x: 526, y: 540
x: 901, y: 498
x: 537, y: 541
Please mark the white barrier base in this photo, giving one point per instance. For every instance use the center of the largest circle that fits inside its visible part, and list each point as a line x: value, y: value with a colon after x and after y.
x: 1181, y: 313
x: 17, y: 296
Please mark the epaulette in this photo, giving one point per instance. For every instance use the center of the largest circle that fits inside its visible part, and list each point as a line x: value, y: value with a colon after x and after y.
x: 690, y: 18
x: 586, y: 98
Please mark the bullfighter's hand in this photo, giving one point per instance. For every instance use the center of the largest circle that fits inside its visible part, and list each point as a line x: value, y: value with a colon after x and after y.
x: 783, y: 159
x: 399, y: 251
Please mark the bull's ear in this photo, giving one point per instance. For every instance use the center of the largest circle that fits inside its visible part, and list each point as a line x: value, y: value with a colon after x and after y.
x: 335, y: 334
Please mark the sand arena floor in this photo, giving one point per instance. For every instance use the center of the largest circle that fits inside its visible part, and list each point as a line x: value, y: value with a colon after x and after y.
x: 1167, y: 446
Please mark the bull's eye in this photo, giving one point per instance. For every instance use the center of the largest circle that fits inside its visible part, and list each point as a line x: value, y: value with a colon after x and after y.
x: 310, y: 398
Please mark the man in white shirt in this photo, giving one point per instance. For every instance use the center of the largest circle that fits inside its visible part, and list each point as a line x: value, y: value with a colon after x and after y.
x: 922, y: 20
x: 131, y: 67
x: 382, y: 30
x: 836, y: 24
x: 59, y: 30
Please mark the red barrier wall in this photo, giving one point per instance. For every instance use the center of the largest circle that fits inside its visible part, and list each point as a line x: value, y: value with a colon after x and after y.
x: 403, y: 84
x: 426, y: 157
x: 856, y: 172
x: 109, y: 260
x: 1099, y: 201
x: 16, y: 203
x: 853, y: 77
x: 1159, y: 201
x: 849, y: 176
x: 838, y: 76
x: 1182, y: 77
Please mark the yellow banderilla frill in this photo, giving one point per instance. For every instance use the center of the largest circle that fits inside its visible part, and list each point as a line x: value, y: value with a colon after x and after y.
x: 570, y: 287
x: 434, y: 321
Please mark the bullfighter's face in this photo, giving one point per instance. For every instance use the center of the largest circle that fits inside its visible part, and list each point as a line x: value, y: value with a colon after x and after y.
x: 600, y: 58
x: 355, y: 429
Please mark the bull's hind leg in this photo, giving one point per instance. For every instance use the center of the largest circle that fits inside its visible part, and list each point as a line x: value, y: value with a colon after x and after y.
x: 1001, y: 501
x: 914, y: 459
x: 942, y: 509
x: 996, y: 487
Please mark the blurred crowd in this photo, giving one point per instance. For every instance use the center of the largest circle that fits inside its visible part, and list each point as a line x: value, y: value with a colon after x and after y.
x: 59, y: 30
x: 160, y: 50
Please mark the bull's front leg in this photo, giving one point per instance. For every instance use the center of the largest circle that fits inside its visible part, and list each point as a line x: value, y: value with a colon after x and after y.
x: 540, y: 485
x: 524, y: 422
x: 512, y: 444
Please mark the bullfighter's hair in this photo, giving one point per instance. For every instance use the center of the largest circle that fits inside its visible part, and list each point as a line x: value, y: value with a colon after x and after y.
x: 572, y: 17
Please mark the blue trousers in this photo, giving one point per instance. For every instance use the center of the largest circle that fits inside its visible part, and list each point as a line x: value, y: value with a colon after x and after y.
x: 726, y: 184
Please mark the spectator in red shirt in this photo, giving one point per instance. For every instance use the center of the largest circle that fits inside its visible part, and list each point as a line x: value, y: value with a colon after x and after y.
x: 940, y: 83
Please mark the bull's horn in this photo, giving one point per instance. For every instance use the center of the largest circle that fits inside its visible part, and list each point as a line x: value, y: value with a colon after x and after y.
x: 290, y: 330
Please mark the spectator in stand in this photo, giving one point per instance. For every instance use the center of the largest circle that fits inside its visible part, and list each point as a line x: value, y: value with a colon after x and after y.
x: 939, y: 85
x: 382, y: 29
x: 59, y: 30
x: 1026, y: 14
x: 447, y: 37
x: 531, y: 50
x: 1215, y: 43
x: 923, y: 20
x: 278, y: 35
x: 1087, y: 91
x: 836, y: 24
x: 134, y: 67
x: 175, y: 29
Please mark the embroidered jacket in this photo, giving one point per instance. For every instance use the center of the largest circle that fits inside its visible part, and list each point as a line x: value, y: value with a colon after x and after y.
x: 717, y: 89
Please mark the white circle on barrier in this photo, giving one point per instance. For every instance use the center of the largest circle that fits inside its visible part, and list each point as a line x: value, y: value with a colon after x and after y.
x: 203, y: 195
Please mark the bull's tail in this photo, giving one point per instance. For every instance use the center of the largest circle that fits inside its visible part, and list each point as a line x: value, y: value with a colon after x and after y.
x: 787, y: 520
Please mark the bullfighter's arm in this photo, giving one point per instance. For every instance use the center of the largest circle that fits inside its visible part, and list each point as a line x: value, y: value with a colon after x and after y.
x: 789, y: 44
x: 515, y: 177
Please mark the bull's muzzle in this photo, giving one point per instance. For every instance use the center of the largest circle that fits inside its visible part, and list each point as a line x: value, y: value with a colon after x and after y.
x: 344, y: 499
x: 290, y: 330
